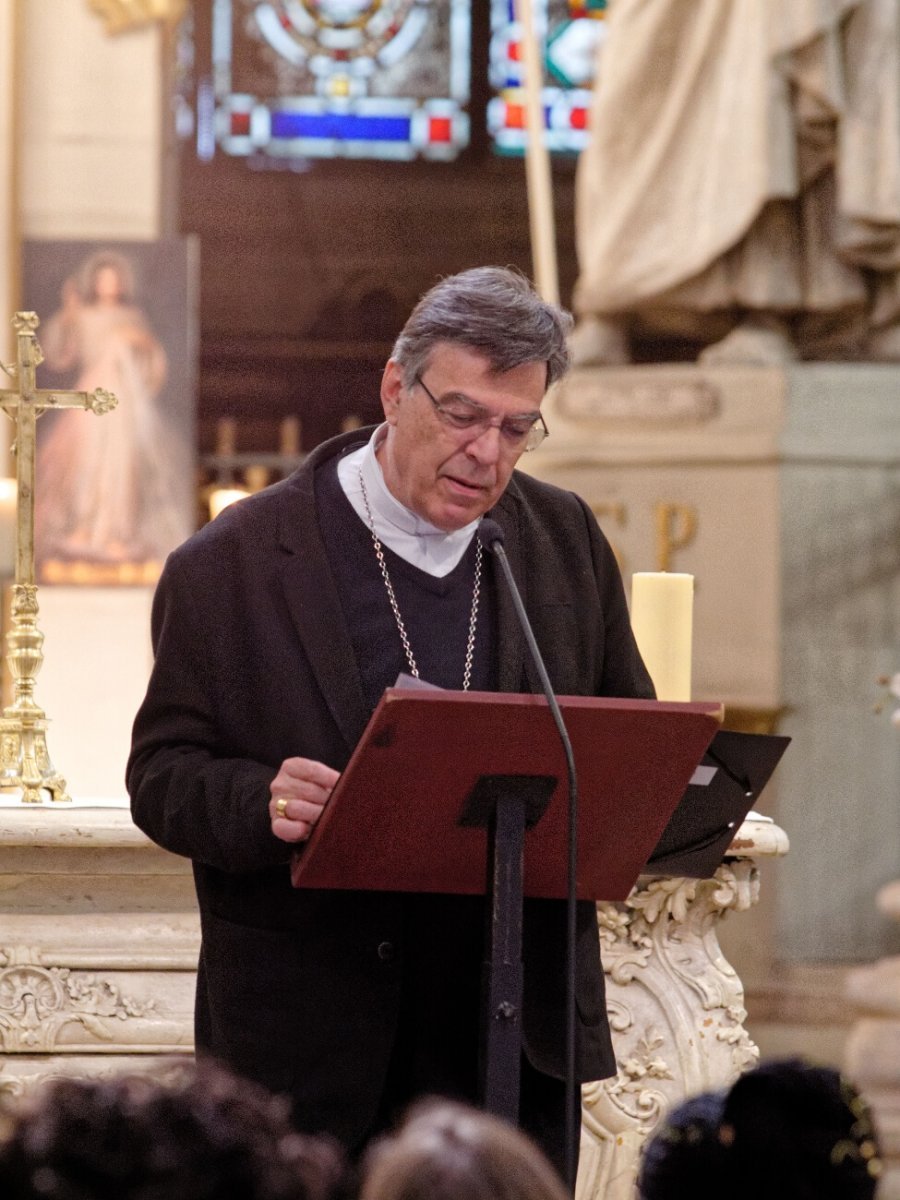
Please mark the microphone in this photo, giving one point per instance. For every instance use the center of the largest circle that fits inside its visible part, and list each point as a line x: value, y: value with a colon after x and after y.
x: 490, y: 533
x: 492, y: 538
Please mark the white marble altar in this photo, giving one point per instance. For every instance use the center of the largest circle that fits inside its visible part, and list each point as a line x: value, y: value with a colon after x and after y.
x: 98, y: 949
x: 98, y: 944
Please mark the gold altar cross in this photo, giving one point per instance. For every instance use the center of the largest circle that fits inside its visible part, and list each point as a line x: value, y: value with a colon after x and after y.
x: 24, y: 761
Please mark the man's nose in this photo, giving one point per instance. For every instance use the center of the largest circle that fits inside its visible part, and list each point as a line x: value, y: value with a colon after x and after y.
x: 485, y: 448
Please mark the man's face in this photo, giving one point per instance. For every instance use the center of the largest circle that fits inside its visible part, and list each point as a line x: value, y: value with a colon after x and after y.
x: 446, y: 475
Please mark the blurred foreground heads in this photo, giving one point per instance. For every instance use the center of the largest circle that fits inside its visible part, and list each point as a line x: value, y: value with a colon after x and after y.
x: 448, y: 1151
x: 785, y: 1129
x: 189, y: 1133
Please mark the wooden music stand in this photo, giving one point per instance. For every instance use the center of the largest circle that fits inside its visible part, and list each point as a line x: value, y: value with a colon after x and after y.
x: 461, y: 792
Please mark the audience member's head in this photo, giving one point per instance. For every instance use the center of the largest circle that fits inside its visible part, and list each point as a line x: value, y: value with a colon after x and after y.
x: 684, y: 1157
x: 190, y: 1133
x: 447, y: 1151
x: 785, y: 1129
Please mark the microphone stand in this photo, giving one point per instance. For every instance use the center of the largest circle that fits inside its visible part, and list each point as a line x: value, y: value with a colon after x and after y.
x: 491, y: 536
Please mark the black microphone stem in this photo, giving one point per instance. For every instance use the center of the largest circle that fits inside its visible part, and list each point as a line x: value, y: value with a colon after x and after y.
x: 571, y: 1089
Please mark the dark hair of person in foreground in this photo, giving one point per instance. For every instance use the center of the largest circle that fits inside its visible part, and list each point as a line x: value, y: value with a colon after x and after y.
x: 447, y: 1151
x: 785, y: 1129
x: 184, y: 1133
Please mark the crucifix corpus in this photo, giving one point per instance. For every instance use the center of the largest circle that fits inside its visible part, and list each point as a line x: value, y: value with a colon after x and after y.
x: 24, y: 762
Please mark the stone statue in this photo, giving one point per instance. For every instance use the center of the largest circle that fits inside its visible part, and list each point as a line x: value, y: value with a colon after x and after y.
x: 741, y: 189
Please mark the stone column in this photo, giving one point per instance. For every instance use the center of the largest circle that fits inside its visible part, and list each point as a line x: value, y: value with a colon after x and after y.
x: 675, y: 1005
x: 873, y: 1047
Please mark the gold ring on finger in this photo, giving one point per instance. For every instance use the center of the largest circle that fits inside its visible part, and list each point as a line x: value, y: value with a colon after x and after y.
x: 281, y: 806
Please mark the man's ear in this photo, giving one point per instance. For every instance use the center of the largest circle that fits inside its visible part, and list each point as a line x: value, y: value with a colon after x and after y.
x: 391, y: 387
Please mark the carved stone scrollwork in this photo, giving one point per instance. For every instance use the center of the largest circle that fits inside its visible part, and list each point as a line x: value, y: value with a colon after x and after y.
x: 11, y: 1086
x: 38, y: 1002
x: 676, y: 1008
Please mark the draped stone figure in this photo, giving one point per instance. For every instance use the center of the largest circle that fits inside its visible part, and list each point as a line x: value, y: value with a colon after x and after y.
x: 741, y: 188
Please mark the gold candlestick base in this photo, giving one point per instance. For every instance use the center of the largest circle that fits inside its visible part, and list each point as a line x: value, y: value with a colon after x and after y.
x: 24, y: 761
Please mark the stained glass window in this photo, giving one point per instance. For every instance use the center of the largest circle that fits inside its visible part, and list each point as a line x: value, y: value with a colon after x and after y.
x: 569, y: 33
x: 296, y: 79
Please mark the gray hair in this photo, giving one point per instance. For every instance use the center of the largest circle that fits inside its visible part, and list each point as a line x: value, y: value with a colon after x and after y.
x: 445, y: 1150
x: 494, y: 311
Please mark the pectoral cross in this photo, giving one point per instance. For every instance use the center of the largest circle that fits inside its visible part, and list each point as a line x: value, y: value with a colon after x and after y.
x: 24, y: 761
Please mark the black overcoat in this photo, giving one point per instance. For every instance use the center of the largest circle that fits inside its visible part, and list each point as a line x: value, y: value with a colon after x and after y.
x: 254, y: 664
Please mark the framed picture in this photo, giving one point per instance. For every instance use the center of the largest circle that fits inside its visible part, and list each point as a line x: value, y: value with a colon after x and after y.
x: 114, y: 493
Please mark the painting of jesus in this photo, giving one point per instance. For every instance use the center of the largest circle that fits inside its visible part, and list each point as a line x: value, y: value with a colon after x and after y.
x: 114, y: 495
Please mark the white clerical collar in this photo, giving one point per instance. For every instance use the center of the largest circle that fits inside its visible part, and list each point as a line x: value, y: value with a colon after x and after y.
x: 409, y: 535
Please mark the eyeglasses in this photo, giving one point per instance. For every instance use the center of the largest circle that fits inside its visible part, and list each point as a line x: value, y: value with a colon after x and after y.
x: 524, y: 432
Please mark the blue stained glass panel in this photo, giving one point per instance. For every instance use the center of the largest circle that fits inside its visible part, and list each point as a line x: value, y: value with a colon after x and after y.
x: 295, y: 79
x: 345, y: 126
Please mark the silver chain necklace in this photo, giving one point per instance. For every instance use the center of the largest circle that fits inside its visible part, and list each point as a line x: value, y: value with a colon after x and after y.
x: 401, y: 628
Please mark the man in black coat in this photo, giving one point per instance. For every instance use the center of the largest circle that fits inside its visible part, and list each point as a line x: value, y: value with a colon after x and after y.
x: 277, y: 627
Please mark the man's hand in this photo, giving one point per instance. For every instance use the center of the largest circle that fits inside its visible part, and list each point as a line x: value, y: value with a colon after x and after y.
x: 300, y: 791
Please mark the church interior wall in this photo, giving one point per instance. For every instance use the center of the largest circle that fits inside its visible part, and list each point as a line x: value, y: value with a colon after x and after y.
x: 91, y: 156
x: 9, y: 252
x: 840, y: 631
x: 303, y: 282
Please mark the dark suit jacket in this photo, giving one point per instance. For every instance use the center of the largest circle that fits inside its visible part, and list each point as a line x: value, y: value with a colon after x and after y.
x: 254, y: 665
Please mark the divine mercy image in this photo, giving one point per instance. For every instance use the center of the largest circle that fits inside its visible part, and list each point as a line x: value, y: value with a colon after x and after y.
x: 112, y: 496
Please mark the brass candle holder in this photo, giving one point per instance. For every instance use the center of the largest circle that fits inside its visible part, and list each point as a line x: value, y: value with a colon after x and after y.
x: 24, y: 760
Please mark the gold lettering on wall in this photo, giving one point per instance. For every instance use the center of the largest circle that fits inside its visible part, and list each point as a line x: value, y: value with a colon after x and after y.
x: 676, y: 527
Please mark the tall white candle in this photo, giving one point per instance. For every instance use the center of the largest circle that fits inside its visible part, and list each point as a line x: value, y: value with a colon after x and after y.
x: 8, y: 500
x: 662, y: 612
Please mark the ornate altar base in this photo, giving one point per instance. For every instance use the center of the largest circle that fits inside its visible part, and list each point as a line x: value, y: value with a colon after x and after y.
x: 98, y: 949
x: 98, y: 944
x: 676, y: 1007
